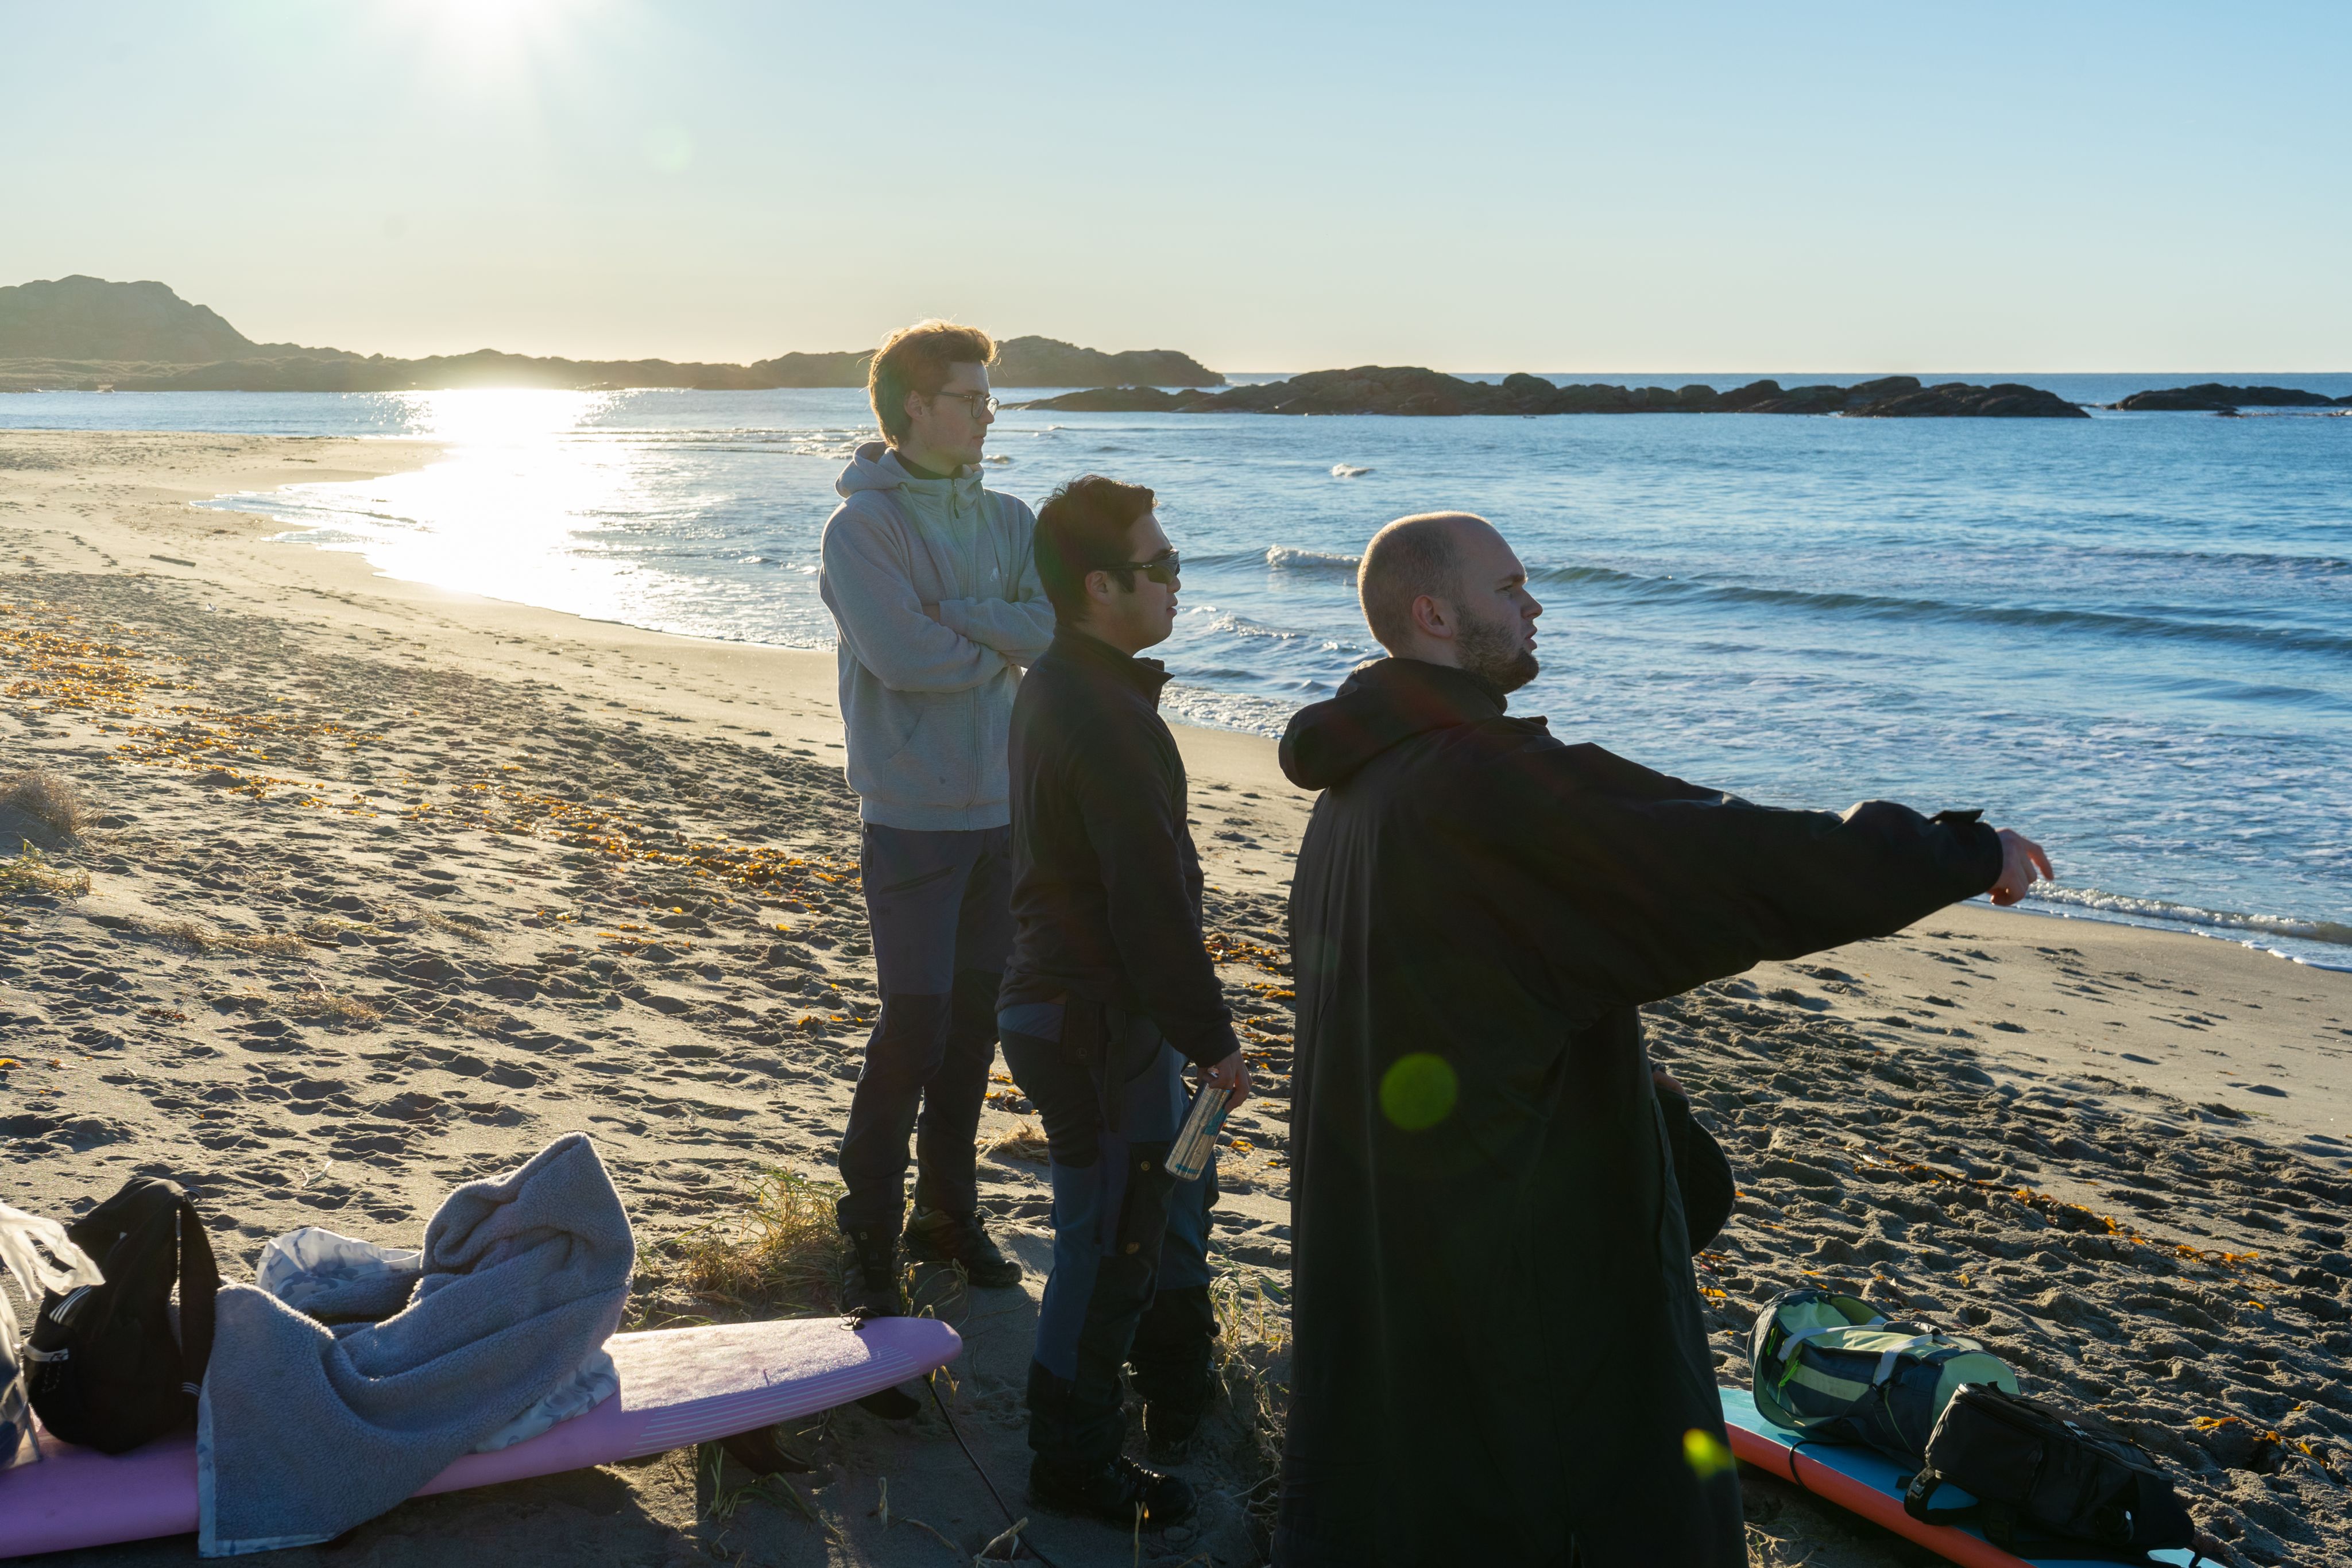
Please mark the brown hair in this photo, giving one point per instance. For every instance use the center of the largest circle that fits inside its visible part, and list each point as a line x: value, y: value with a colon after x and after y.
x: 915, y: 360
x: 1410, y: 557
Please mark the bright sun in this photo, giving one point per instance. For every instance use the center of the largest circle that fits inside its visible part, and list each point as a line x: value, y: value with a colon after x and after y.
x: 492, y: 32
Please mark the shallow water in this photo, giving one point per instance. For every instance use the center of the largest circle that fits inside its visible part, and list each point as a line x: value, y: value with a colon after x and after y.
x: 2129, y: 636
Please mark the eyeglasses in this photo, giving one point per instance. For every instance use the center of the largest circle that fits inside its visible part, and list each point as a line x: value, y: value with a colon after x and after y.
x: 1160, y: 569
x: 975, y: 403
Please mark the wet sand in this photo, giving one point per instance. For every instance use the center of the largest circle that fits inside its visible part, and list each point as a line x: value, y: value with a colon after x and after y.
x: 389, y: 886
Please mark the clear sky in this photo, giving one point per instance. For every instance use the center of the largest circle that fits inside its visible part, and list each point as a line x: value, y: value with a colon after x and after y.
x: 1549, y: 187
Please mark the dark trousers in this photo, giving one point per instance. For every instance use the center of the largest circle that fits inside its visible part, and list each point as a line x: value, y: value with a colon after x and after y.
x: 1130, y: 1279
x: 940, y: 908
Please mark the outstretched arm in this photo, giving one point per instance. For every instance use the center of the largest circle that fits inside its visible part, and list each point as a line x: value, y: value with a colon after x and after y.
x: 1655, y: 885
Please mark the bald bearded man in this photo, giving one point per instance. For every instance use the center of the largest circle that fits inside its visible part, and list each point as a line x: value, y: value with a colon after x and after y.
x: 1499, y: 1347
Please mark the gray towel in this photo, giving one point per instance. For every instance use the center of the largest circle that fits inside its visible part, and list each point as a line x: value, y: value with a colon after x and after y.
x: 302, y: 1433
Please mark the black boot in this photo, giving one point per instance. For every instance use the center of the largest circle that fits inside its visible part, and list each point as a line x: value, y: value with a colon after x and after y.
x: 933, y: 1237
x: 869, y: 1275
x: 1111, y: 1493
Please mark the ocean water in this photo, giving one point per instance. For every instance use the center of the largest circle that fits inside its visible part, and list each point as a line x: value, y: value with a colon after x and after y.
x: 2130, y: 637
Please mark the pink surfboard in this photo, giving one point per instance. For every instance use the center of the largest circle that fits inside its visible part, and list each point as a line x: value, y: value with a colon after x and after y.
x: 677, y: 1386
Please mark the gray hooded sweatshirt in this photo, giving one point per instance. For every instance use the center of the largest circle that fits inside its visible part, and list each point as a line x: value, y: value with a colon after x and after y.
x: 933, y: 588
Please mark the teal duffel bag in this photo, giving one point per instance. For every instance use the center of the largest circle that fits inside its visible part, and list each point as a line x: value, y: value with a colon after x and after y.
x: 1831, y: 1367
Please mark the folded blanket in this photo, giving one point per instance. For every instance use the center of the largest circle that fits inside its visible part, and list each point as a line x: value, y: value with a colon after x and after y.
x: 303, y: 1433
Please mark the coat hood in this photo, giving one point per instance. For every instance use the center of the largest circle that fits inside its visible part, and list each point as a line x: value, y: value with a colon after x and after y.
x: 1383, y: 703
x: 877, y: 467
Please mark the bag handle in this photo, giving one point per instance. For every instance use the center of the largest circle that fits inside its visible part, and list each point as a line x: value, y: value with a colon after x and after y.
x: 199, y: 1283
x: 1921, y: 1487
x: 1787, y: 1348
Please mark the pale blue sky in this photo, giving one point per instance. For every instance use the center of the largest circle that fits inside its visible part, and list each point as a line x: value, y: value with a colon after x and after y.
x: 1551, y: 187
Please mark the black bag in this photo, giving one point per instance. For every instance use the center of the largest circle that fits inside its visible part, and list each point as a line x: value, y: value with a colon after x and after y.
x: 2041, y: 1480
x: 104, y: 1368
x: 1701, y: 1171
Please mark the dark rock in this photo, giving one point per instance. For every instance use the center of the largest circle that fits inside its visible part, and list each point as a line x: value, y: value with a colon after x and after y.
x: 2212, y: 397
x: 1117, y: 400
x: 1958, y: 400
x: 1802, y: 400
x: 1739, y: 400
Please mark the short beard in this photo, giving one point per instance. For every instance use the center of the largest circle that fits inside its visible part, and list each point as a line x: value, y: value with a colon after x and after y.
x: 1491, y: 649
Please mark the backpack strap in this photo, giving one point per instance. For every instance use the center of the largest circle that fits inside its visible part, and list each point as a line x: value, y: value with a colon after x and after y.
x: 199, y: 1283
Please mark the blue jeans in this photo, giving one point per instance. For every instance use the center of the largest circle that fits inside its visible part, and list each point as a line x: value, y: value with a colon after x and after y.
x: 940, y: 908
x: 1130, y: 1243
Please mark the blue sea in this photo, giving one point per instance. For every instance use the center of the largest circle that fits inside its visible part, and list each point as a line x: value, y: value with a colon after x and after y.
x: 2130, y: 636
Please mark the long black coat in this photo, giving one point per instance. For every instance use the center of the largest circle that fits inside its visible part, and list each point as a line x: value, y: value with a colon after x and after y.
x: 1499, y: 1345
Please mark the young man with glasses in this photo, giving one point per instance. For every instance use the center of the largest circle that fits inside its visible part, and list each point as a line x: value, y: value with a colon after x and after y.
x: 1108, y: 993
x: 937, y: 605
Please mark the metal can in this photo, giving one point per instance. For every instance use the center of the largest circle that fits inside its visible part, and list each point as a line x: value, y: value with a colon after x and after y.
x: 1189, y: 1155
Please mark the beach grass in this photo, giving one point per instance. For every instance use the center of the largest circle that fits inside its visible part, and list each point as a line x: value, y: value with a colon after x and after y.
x: 1025, y: 1142
x: 1253, y: 1360
x: 32, y: 872
x: 782, y: 1250
x: 311, y: 1004
x: 47, y: 797
x: 207, y: 939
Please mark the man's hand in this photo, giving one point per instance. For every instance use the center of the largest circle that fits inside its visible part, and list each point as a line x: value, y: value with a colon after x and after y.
x: 1232, y: 1075
x: 2021, y: 864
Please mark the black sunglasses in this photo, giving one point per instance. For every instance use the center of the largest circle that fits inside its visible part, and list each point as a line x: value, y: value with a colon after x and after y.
x: 1160, y: 569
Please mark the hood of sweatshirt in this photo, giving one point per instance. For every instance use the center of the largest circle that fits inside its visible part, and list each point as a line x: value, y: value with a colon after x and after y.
x: 1383, y: 703
x: 877, y: 467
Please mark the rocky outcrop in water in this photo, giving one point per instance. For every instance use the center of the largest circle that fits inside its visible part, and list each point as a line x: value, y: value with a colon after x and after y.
x: 1029, y: 361
x: 1960, y: 400
x: 2212, y: 397
x: 1411, y: 390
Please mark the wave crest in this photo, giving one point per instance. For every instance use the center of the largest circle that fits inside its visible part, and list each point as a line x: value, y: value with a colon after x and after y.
x: 1291, y: 557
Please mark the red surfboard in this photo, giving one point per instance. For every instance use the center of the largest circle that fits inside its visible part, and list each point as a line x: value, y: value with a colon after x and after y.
x: 1863, y: 1480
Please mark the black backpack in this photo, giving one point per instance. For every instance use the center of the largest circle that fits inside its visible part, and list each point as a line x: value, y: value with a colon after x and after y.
x: 103, y: 1367
x: 2042, y: 1482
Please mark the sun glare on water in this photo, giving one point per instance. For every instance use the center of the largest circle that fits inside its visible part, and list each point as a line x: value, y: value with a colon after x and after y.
x: 525, y: 505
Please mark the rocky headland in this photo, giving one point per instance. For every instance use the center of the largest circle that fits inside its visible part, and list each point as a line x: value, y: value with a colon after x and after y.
x: 79, y: 333
x: 1412, y: 390
x: 2212, y: 397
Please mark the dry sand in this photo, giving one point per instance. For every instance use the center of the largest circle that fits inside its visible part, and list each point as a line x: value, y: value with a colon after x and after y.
x: 388, y: 886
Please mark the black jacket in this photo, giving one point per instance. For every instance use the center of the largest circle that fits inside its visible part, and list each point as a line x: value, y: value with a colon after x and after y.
x: 1498, y: 1343
x: 1105, y: 883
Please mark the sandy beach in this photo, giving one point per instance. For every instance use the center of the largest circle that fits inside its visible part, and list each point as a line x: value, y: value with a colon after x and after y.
x: 387, y: 886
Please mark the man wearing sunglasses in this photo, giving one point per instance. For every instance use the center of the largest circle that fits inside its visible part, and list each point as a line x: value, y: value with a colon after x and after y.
x: 1108, y: 993
x: 930, y: 580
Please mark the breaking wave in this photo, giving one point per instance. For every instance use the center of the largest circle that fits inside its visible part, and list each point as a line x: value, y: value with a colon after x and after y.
x: 2218, y: 922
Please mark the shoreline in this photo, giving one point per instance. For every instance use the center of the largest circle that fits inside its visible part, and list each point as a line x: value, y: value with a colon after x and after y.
x: 389, y: 885
x: 2297, y: 939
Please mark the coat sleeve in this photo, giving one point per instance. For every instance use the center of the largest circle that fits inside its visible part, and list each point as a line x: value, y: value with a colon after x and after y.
x: 1021, y: 624
x: 1132, y: 822
x: 881, y: 620
x: 1654, y: 886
